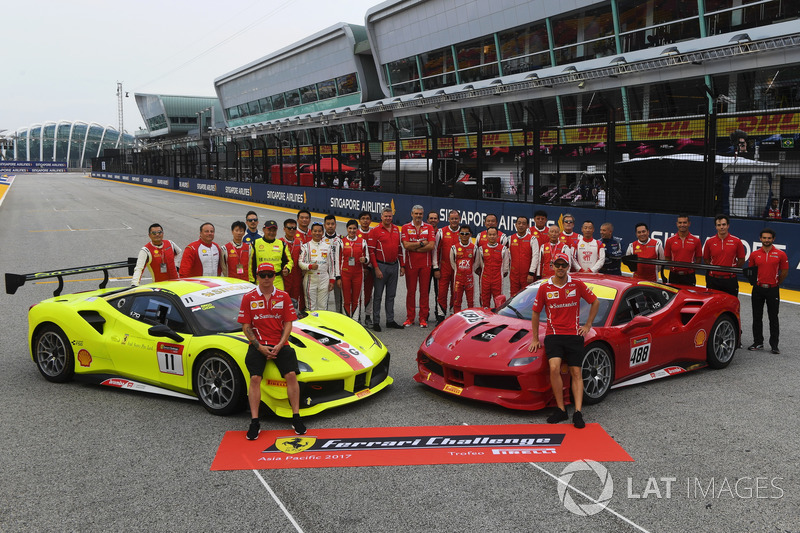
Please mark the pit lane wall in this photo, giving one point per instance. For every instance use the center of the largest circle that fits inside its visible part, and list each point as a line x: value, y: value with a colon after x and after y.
x: 347, y: 204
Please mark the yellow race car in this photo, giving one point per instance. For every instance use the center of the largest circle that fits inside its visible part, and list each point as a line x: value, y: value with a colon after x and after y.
x: 181, y: 338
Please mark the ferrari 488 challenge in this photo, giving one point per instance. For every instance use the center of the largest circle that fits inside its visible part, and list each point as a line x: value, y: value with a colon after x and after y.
x: 181, y: 338
x: 643, y: 331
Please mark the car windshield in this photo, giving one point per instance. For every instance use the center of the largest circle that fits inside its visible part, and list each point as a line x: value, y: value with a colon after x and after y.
x: 521, y: 305
x: 216, y: 310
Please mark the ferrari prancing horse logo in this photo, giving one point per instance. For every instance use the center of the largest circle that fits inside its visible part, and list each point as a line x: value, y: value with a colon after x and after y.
x: 294, y: 445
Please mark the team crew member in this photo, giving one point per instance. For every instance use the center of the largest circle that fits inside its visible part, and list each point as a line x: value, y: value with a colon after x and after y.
x: 303, y: 222
x: 446, y: 238
x: 158, y: 256
x: 418, y: 239
x: 203, y: 257
x: 270, y: 249
x: 335, y: 242
x: 493, y: 267
x: 238, y: 253
x: 251, y: 234
x: 293, y: 283
x: 353, y: 255
x: 686, y: 248
x: 774, y: 210
x: 266, y: 315
x: 773, y: 267
x: 568, y: 235
x: 613, y: 248
x: 433, y: 220
x: 646, y: 248
x: 523, y: 250
x: 561, y: 297
x: 463, y: 261
x: 549, y: 250
x: 540, y: 229
x: 317, y: 261
x: 365, y: 222
x: 590, y: 255
x: 723, y: 249
x: 490, y: 222
x: 386, y: 256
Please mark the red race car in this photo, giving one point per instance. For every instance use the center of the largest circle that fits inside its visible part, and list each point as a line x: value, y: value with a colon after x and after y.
x: 643, y: 331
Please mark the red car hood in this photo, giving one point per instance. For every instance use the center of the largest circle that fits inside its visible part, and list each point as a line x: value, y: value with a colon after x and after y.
x: 479, y: 338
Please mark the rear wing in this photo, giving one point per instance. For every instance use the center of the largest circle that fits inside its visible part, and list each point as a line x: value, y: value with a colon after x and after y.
x: 750, y: 272
x: 15, y: 281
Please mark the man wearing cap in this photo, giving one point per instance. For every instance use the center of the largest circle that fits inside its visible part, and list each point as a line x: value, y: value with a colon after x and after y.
x: 266, y: 315
x: 269, y: 249
x: 561, y: 297
x: 203, y: 257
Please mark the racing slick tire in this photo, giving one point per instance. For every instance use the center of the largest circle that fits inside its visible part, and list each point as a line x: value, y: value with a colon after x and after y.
x: 219, y: 384
x: 53, y: 354
x: 597, y: 370
x: 722, y: 342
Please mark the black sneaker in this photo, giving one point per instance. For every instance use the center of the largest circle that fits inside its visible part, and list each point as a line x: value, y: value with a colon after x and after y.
x: 376, y: 327
x: 753, y: 347
x: 559, y: 416
x: 577, y: 419
x: 776, y: 351
x: 394, y: 325
x: 253, y: 430
x: 367, y: 320
x: 298, y: 425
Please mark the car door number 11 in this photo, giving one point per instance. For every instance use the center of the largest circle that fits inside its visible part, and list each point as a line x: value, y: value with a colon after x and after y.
x: 170, y: 358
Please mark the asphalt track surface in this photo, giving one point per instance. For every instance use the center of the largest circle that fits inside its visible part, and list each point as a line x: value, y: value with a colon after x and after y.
x: 79, y: 457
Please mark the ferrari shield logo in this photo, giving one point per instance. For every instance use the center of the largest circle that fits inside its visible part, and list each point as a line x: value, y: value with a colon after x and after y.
x: 294, y: 444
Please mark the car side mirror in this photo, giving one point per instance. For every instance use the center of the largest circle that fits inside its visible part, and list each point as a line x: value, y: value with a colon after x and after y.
x: 161, y: 330
x: 638, y: 322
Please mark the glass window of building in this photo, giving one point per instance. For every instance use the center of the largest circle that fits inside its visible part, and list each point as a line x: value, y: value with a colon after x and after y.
x: 243, y: 111
x: 493, y: 118
x: 265, y: 104
x: 765, y: 89
x: 308, y: 94
x: 278, y: 101
x: 347, y: 84
x: 253, y: 108
x: 326, y: 89
x: 450, y: 122
x: 438, y: 69
x: 477, y: 60
x: 292, y: 98
x: 723, y: 16
x: 656, y: 22
x: 584, y: 34
x: 524, y: 49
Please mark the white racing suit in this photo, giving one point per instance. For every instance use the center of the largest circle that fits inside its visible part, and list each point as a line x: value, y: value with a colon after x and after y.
x: 316, y: 281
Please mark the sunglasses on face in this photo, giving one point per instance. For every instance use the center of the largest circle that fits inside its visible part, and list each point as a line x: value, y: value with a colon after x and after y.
x: 252, y: 220
x: 263, y: 275
x: 291, y: 228
x: 465, y: 234
x: 560, y: 265
x: 156, y: 233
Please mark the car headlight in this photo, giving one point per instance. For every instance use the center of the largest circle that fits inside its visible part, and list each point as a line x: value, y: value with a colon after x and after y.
x: 521, y: 361
x: 375, y: 340
x: 304, y: 367
x: 429, y: 340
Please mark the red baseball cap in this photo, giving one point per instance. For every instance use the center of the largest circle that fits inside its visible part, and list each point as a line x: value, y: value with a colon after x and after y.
x: 266, y: 267
x: 561, y: 256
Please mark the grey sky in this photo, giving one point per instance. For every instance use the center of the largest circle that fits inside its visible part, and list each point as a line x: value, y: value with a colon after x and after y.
x: 62, y: 60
